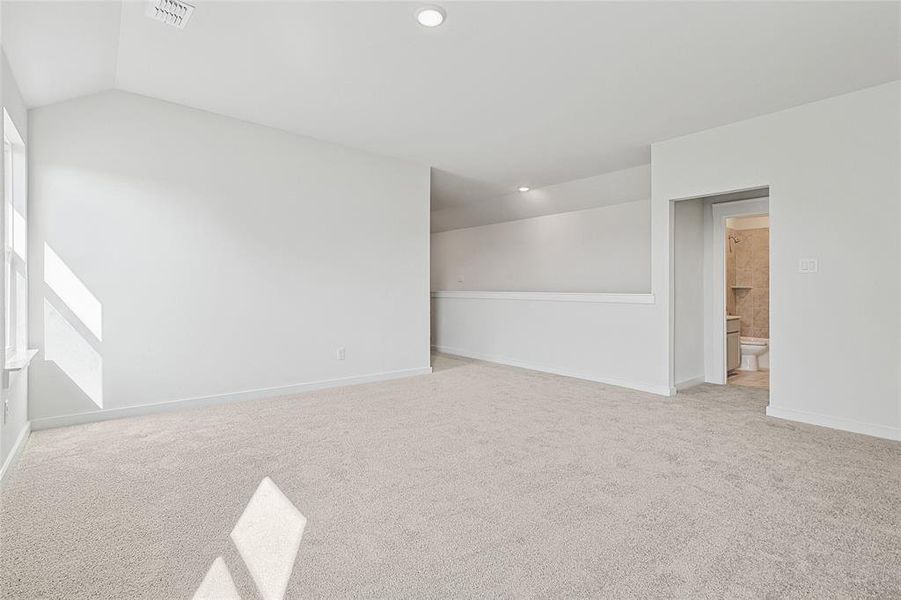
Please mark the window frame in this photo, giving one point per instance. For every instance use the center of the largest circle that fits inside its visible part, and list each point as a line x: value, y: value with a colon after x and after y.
x: 15, y: 266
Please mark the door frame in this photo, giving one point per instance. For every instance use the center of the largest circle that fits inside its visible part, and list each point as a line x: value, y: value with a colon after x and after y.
x: 715, y: 318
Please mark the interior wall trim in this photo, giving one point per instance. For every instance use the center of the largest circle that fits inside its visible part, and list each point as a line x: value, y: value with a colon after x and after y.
x: 202, y: 401
x: 641, y: 386
x: 811, y: 418
x: 15, y: 452
x: 689, y: 383
x: 548, y: 297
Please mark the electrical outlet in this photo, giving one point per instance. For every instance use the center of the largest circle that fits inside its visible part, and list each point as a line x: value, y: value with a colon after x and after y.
x: 340, y: 353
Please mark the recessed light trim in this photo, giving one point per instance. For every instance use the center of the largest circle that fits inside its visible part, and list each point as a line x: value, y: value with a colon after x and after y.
x: 430, y: 16
x: 523, y: 188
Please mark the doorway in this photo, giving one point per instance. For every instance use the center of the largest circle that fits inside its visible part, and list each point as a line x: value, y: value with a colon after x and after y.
x: 739, y: 342
x: 747, y: 289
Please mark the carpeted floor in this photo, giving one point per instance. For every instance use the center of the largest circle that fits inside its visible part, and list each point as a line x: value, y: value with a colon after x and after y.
x: 477, y: 481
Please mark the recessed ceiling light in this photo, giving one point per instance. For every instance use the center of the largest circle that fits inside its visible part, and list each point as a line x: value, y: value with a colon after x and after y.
x: 430, y: 16
x: 524, y: 188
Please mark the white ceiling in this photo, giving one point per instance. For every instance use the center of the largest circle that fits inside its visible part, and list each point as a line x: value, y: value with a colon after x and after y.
x: 503, y: 94
x: 626, y: 185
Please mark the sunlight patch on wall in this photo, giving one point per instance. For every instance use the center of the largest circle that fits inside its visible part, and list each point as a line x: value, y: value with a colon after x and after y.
x: 73, y: 354
x: 21, y: 310
x: 20, y: 235
x: 75, y: 294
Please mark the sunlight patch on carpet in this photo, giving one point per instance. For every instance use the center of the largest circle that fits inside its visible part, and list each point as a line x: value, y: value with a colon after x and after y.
x: 268, y: 536
x: 218, y: 584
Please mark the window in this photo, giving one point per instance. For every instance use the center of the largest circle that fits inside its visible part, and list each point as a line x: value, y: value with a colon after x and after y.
x: 15, y: 242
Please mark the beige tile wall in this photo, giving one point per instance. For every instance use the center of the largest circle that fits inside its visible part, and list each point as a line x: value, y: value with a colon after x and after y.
x: 748, y: 280
x: 730, y: 270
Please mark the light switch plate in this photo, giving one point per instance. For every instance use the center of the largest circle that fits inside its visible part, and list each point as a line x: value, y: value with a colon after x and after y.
x: 808, y: 265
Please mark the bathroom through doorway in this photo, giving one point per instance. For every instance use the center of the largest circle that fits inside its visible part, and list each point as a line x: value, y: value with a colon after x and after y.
x: 740, y: 341
x: 747, y: 300
x: 721, y: 292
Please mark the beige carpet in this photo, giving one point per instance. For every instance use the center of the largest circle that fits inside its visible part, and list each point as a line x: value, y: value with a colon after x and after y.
x: 476, y: 481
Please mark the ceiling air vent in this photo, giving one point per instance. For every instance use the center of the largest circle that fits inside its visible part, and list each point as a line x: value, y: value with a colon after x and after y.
x: 170, y: 12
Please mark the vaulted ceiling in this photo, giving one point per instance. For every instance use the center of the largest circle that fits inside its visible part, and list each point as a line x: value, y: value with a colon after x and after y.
x: 503, y: 94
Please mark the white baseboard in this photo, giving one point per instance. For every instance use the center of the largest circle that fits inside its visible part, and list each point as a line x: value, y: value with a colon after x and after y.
x: 660, y: 390
x: 689, y: 383
x: 145, y: 409
x: 880, y: 431
x: 16, y: 451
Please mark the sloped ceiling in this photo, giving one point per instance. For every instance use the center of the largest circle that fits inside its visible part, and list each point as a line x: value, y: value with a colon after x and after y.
x: 503, y: 94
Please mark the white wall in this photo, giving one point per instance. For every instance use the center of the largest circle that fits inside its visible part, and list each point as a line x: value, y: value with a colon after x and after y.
x: 595, y: 250
x: 688, y: 257
x: 833, y: 171
x: 16, y: 392
x: 184, y: 255
x: 832, y: 168
x: 611, y: 340
x: 615, y: 338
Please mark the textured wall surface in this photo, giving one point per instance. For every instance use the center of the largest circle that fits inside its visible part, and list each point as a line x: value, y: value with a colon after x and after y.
x: 748, y: 279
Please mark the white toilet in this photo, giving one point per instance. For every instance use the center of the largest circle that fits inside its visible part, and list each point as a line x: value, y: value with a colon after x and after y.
x: 751, y: 350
